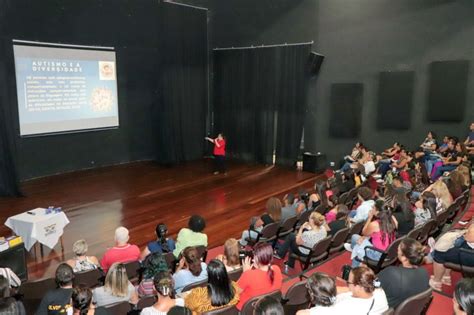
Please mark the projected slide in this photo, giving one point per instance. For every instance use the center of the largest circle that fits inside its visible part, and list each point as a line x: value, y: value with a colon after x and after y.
x: 65, y: 89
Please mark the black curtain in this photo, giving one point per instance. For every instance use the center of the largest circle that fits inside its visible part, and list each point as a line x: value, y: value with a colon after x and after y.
x: 252, y: 87
x: 8, y: 175
x: 181, y: 113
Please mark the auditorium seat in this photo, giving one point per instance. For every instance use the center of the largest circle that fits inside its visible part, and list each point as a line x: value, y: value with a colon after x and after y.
x: 234, y: 275
x: 268, y: 234
x: 247, y: 308
x: 316, y: 254
x: 338, y: 239
x: 193, y: 285
x: 415, y: 305
x: 287, y: 227
x: 120, y: 308
x: 229, y: 310
x: 296, y: 298
x: 389, y: 256
x: 33, y: 292
x: 91, y: 278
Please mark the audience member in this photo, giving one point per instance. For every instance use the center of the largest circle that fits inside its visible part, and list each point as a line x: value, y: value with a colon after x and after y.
x: 362, y: 212
x: 443, y: 197
x: 231, y: 258
x: 259, y: 276
x: 273, y: 214
x: 441, y: 275
x: 164, y: 288
x: 289, y: 208
x: 82, y: 303
x: 117, y: 288
x: 153, y: 264
x: 378, y: 232
x: 455, y: 184
x: 361, y: 296
x: 81, y: 262
x: 192, y: 235
x: 309, y: 234
x: 190, y: 269
x: 58, y: 301
x: 341, y: 220
x: 463, y: 299
x: 220, y: 291
x: 12, y: 278
x: 403, y: 214
x: 121, y: 252
x: 8, y: 305
x: 322, y: 294
x: 163, y: 243
x: 268, y: 306
x: 400, y: 283
x: 425, y: 208
x: 451, y: 161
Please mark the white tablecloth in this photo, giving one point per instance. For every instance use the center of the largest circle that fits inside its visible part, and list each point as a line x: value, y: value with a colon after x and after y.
x: 41, y: 227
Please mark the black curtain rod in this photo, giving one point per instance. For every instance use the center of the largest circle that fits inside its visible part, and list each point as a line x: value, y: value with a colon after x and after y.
x: 266, y: 46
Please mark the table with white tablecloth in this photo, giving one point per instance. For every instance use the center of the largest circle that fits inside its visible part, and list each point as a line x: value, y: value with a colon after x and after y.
x: 37, y: 226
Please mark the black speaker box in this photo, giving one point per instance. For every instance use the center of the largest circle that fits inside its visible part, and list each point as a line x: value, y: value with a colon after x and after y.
x: 315, y: 62
x: 314, y: 163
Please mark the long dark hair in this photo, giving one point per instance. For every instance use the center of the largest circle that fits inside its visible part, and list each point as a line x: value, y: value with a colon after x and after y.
x: 263, y: 253
x: 219, y: 287
x: 321, y: 188
x: 464, y: 295
x: 161, y: 231
x: 403, y: 205
x: 321, y: 289
x: 81, y: 299
x: 429, y: 203
x: 386, y: 224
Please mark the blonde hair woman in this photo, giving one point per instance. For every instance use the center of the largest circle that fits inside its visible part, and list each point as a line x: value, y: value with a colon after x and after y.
x: 230, y: 258
x: 441, y: 191
x: 309, y: 234
x: 117, y: 287
x: 81, y: 262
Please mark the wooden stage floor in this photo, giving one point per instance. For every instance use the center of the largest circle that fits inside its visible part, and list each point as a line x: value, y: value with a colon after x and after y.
x: 139, y: 195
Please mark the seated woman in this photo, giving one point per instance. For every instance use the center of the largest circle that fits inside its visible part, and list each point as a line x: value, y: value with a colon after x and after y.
x: 8, y: 305
x: 428, y: 146
x: 463, y: 298
x: 231, y: 258
x: 81, y: 262
x: 166, y: 300
x: 259, y: 276
x: 341, y: 221
x: 455, y: 184
x: 82, y: 303
x: 192, y: 235
x: 163, y: 243
x: 398, y: 164
x: 116, y: 287
x: 331, y: 215
x: 362, y: 158
x: 361, y: 296
x: 273, y: 214
x: 190, y: 269
x: 378, y: 231
x: 220, y: 291
x: 322, y: 294
x: 400, y: 283
x: 449, y: 163
x: 425, y: 208
x: 443, y: 197
x: 153, y: 264
x: 308, y: 235
x: 403, y: 214
x: 441, y: 275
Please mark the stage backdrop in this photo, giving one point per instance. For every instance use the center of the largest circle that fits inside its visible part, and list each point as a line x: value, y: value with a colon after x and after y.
x: 260, y: 101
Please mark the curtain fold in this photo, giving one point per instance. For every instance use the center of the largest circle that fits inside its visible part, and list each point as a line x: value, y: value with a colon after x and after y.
x: 181, y: 112
x: 8, y: 174
x: 260, y: 100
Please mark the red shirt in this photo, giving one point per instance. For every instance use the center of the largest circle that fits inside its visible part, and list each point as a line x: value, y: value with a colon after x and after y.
x: 221, y: 149
x: 256, y: 282
x: 119, y: 254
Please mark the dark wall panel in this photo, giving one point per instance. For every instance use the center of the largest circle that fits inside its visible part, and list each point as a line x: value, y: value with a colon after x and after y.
x: 395, y: 100
x: 346, y: 110
x: 447, y: 90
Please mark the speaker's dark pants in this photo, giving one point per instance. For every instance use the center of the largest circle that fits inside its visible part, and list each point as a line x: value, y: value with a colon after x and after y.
x: 219, y: 163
